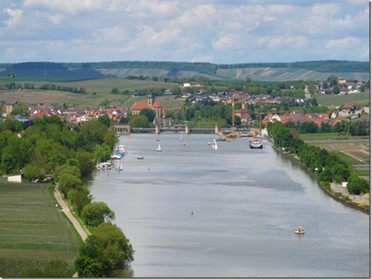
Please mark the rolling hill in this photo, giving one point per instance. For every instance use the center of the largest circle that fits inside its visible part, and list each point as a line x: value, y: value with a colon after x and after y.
x: 308, y: 70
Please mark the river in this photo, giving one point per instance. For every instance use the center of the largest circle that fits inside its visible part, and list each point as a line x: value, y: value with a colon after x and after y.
x: 192, y: 211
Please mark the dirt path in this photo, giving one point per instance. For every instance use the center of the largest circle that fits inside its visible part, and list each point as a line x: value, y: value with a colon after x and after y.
x: 65, y: 209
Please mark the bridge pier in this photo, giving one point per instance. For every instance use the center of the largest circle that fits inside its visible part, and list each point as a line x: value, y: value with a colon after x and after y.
x: 157, y: 129
x: 216, y: 129
x: 187, y: 129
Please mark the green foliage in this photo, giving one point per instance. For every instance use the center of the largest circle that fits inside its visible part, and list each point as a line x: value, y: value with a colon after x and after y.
x: 96, y: 213
x: 53, y: 269
x: 105, y: 250
x: 85, y: 162
x: 357, y: 185
x: 149, y: 113
x: 88, y: 267
x: 20, y: 109
x: 79, y: 198
x: 328, y: 167
x: 139, y: 121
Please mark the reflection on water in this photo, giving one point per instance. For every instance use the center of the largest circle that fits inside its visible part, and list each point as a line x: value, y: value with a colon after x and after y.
x: 194, y: 211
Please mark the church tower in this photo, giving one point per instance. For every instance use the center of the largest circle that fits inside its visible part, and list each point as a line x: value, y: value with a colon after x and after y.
x: 150, y: 100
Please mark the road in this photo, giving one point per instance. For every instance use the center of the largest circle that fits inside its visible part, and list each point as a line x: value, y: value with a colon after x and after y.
x: 65, y: 209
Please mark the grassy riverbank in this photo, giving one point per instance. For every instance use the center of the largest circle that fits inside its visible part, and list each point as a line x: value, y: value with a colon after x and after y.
x: 32, y: 231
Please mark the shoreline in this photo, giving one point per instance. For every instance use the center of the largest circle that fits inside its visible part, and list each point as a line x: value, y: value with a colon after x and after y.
x: 336, y: 195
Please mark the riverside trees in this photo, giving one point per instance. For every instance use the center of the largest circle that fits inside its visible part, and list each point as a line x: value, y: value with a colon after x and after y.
x: 326, y: 166
x: 50, y: 148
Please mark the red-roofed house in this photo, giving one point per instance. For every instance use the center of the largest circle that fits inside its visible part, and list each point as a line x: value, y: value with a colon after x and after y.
x: 150, y: 103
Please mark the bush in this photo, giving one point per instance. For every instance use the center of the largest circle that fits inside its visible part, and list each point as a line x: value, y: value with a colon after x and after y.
x: 96, y: 213
x: 357, y: 185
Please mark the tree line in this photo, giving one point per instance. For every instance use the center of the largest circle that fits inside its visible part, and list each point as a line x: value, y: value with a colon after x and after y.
x: 45, y: 86
x: 326, y: 166
x: 50, y: 149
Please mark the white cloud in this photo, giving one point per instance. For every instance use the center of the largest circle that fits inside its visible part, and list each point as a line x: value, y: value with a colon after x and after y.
x: 68, y: 6
x: 282, y: 41
x: 343, y: 43
x: 226, y: 41
x: 219, y: 30
x: 15, y: 17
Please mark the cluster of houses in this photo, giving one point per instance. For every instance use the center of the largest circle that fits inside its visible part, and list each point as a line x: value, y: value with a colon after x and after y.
x: 346, y: 86
x: 78, y: 115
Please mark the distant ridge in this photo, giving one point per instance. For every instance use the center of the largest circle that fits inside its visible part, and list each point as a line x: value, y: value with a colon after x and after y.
x: 306, y: 70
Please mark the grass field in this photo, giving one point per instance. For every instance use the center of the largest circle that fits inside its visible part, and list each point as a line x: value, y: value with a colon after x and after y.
x: 353, y: 150
x: 361, y: 99
x: 32, y: 230
x: 98, y: 91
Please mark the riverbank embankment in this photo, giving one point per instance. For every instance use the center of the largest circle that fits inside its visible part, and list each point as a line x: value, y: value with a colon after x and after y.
x: 335, y: 191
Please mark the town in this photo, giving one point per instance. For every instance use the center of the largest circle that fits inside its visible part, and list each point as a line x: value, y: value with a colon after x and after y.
x: 248, y: 110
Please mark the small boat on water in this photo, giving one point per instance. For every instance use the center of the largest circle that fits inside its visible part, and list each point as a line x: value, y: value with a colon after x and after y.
x: 214, y: 145
x: 255, y: 143
x: 104, y: 166
x: 299, y: 230
x: 140, y: 157
x: 158, y: 149
x: 118, y: 152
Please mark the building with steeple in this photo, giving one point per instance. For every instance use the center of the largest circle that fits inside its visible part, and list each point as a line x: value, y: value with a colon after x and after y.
x: 150, y: 104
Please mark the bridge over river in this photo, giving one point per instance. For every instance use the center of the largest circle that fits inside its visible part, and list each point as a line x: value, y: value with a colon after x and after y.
x: 126, y: 129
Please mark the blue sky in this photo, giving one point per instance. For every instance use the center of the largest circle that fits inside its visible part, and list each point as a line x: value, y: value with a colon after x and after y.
x: 222, y: 32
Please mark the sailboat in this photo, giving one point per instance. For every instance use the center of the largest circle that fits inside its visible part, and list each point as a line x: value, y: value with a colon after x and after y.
x: 159, y: 148
x: 214, y: 145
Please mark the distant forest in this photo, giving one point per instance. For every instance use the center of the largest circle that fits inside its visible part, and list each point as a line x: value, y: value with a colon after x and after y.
x: 168, y: 69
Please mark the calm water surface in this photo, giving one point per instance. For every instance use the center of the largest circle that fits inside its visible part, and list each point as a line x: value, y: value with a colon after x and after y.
x: 193, y: 211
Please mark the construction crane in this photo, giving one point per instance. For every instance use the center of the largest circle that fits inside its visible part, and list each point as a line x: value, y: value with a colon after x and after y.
x: 233, y: 133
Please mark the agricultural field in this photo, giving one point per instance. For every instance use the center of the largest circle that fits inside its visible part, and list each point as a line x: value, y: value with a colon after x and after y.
x: 361, y: 99
x: 354, y: 150
x: 32, y: 231
x: 97, y: 92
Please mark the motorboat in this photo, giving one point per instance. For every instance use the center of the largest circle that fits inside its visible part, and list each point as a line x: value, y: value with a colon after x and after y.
x: 255, y: 143
x: 299, y: 230
x: 118, y: 152
x: 139, y: 157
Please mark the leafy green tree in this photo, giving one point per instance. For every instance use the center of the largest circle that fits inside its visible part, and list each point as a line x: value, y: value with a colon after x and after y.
x: 11, y: 125
x: 86, y: 163
x: 336, y: 90
x: 20, y: 109
x: 105, y: 120
x: 139, y: 121
x: 31, y: 171
x: 149, y: 113
x: 96, y: 213
x: 106, y: 249
x: 88, y: 267
x: 79, y: 198
x: 357, y: 185
x: 117, y: 247
x: 67, y: 182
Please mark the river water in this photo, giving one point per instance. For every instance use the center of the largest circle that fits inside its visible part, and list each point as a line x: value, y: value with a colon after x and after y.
x: 194, y: 211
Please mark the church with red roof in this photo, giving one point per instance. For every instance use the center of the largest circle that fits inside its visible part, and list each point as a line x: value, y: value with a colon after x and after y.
x: 150, y: 104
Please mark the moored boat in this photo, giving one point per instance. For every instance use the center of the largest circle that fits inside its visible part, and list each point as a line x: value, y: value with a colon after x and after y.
x: 255, y: 143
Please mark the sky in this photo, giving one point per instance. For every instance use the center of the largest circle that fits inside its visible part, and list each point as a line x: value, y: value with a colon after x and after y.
x: 215, y: 31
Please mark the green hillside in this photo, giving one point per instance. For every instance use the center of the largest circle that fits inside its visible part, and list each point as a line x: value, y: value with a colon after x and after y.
x: 310, y: 70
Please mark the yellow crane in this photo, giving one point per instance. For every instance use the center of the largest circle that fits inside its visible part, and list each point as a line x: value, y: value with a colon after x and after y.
x: 233, y: 133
